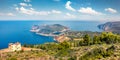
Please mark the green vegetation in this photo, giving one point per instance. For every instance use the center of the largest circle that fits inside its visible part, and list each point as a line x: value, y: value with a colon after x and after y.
x: 87, y: 40
x: 49, y: 29
x: 12, y: 58
x: 103, y: 38
x: 103, y: 46
x: 98, y: 53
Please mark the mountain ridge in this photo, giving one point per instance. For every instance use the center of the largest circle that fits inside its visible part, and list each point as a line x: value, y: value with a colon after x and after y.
x: 110, y: 26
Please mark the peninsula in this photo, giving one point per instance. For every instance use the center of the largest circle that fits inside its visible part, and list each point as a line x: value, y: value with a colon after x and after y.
x: 110, y: 27
x: 49, y: 30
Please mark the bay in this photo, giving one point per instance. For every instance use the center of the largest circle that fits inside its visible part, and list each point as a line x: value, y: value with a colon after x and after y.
x: 19, y: 31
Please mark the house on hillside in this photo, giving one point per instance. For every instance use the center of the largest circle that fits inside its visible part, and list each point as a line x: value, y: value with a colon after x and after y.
x: 15, y: 46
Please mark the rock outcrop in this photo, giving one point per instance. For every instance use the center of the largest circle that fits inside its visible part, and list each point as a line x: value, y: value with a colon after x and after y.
x: 110, y: 27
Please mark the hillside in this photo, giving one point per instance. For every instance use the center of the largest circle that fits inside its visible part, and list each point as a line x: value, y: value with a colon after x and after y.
x: 105, y: 46
x: 49, y: 30
x: 110, y: 27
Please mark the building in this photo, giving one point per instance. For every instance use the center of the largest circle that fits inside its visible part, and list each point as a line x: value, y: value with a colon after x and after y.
x: 15, y: 46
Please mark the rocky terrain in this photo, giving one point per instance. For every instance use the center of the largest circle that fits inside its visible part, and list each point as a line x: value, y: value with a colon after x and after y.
x: 110, y: 27
x: 49, y: 30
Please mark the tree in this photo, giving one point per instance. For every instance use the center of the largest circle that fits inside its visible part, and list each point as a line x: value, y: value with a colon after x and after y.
x: 87, y: 39
x: 65, y: 44
x: 96, y: 40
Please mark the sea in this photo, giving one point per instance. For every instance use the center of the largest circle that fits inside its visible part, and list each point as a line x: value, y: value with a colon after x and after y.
x: 19, y: 31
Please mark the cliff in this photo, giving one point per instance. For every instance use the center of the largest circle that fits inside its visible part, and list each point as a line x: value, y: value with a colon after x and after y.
x: 61, y: 38
x: 110, y: 27
x: 49, y: 30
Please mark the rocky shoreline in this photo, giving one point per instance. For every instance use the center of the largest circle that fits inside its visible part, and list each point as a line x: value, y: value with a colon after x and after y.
x: 110, y: 27
x: 56, y: 31
x: 49, y: 30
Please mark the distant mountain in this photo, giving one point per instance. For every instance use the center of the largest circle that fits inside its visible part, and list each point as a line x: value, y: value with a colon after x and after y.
x: 110, y: 27
x: 49, y: 30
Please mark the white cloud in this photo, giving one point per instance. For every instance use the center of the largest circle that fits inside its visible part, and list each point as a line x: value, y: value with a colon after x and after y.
x: 25, y: 4
x: 26, y: 8
x: 89, y: 10
x: 7, y: 14
x: 43, y: 13
x: 31, y: 11
x: 27, y: 0
x: 10, y: 14
x: 67, y: 6
x: 17, y: 8
x: 56, y: 12
x: 70, y: 15
x: 26, y: 11
x: 111, y: 10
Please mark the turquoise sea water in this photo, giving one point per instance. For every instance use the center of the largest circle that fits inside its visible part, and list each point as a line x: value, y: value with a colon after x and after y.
x: 19, y: 31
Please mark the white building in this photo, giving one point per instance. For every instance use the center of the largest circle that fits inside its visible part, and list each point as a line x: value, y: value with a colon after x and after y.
x: 15, y: 46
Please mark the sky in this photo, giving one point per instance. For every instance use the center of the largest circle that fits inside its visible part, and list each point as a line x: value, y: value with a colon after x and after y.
x: 87, y: 10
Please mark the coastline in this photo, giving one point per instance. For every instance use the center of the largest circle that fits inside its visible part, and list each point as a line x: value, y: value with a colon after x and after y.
x: 34, y: 31
x: 55, y: 37
x: 47, y: 34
